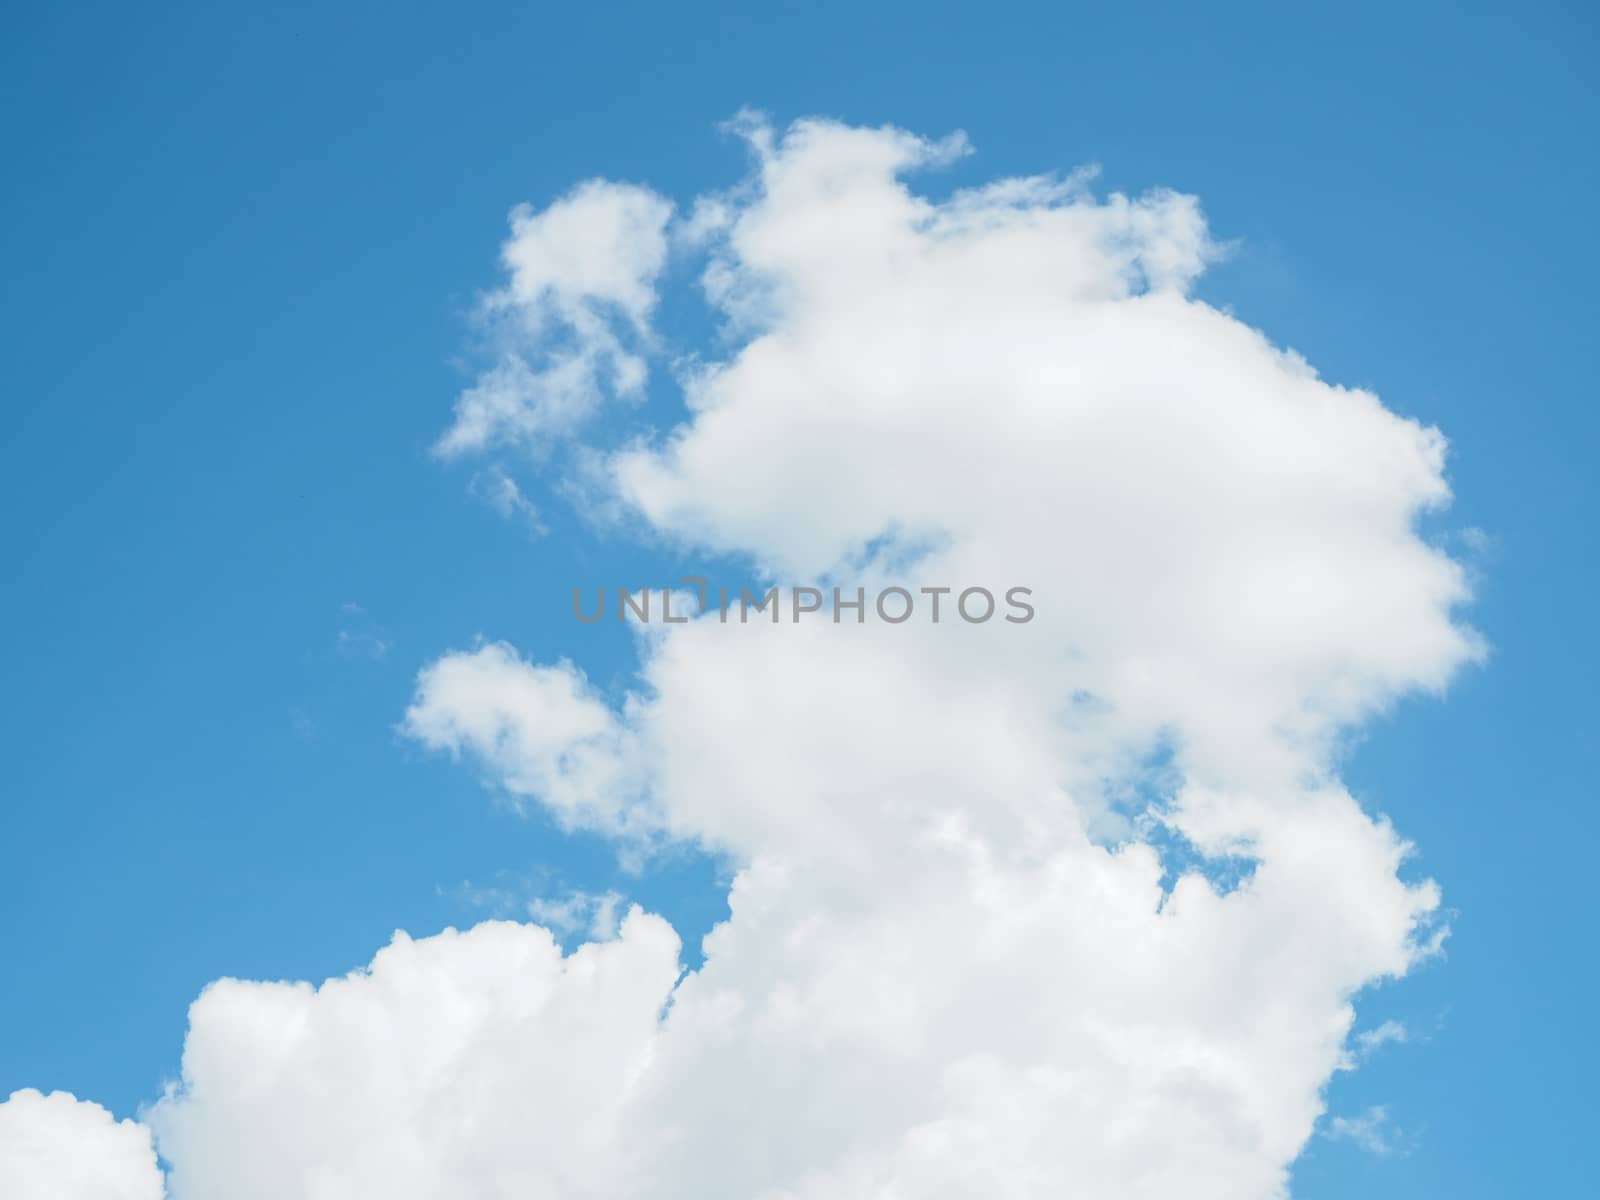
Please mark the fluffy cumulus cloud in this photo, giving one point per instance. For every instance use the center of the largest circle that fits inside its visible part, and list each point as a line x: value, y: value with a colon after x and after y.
x: 478, y: 1064
x: 58, y: 1147
x: 1073, y: 906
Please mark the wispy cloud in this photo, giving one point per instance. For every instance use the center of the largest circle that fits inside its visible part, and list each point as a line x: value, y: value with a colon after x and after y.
x: 502, y: 493
x: 1371, y: 1131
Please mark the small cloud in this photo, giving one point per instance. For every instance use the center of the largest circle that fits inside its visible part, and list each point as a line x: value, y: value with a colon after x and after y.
x: 596, y: 916
x: 498, y: 902
x: 363, y: 645
x: 573, y: 319
x: 501, y: 493
x: 1390, y: 1032
x: 1371, y: 1131
x: 301, y: 724
x: 1477, y: 541
x: 362, y: 637
x: 591, y: 913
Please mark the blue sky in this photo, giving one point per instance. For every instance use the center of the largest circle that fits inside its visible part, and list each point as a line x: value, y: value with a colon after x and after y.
x: 241, y: 251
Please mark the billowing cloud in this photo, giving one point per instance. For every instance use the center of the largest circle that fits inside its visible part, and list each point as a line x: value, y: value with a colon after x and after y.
x: 1073, y: 906
x: 58, y: 1147
x: 478, y: 1064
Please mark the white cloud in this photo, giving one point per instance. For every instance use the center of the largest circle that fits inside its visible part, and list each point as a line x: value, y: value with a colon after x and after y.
x: 502, y: 493
x: 543, y: 732
x: 593, y: 913
x: 571, y: 320
x: 1371, y: 1131
x: 58, y: 1147
x: 954, y: 965
x: 1369, y: 1041
x: 481, y: 1064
